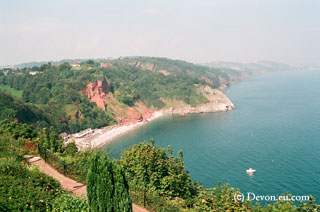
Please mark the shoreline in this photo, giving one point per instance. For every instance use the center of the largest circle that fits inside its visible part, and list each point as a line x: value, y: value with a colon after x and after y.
x: 107, y: 134
x: 218, y: 102
x: 118, y: 131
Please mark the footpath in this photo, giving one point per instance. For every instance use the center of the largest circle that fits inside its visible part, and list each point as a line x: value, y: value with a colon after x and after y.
x: 66, y: 183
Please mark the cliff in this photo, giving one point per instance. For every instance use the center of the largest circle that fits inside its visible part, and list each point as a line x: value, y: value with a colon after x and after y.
x: 99, y: 92
x: 96, y: 92
x: 218, y: 102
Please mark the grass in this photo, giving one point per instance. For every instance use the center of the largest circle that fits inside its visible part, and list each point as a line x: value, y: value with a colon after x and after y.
x: 13, y: 91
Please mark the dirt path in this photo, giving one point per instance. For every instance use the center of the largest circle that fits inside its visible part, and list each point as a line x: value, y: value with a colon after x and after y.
x: 67, y: 183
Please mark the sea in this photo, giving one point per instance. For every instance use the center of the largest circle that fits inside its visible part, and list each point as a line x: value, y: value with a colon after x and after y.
x: 274, y: 129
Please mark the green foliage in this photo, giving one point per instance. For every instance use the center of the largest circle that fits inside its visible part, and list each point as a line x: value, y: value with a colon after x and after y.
x: 219, y: 198
x: 24, y: 188
x: 14, y: 108
x: 126, y: 95
x: 150, y: 168
x: 50, y: 140
x: 67, y: 202
x: 12, y: 91
x: 71, y: 149
x: 157, y: 179
x: 57, y: 90
x: 17, y: 130
x: 54, y: 89
x: 151, y: 87
x: 13, y: 137
x: 107, y: 188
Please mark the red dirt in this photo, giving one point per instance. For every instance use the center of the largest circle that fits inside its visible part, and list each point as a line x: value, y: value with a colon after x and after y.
x: 164, y: 72
x: 96, y: 92
x: 71, y: 185
x: 133, y: 115
x: 206, y: 79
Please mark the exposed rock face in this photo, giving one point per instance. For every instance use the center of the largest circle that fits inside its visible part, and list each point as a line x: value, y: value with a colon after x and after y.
x: 165, y: 72
x: 145, y: 66
x: 223, y: 83
x: 206, y: 79
x: 129, y: 115
x: 96, y: 92
x: 133, y: 115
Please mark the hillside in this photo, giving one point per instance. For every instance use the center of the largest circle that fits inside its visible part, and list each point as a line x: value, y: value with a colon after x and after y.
x: 14, y: 108
x: 93, y: 94
x: 82, y: 94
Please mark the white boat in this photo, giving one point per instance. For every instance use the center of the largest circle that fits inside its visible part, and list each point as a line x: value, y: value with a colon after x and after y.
x: 251, y: 171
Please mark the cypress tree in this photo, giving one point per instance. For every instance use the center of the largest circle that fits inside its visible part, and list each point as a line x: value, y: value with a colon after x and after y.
x: 122, y: 200
x: 92, y: 183
x: 107, y: 188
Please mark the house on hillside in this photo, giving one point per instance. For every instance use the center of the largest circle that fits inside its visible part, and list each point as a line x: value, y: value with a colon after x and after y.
x: 74, y: 64
x: 6, y: 72
x: 105, y: 65
x: 33, y: 72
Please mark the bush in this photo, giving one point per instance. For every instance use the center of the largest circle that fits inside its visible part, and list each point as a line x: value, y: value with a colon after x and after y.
x: 71, y: 149
x: 66, y: 201
x: 24, y: 188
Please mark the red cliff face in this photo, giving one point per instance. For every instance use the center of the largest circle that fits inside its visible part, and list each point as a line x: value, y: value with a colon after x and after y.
x: 96, y: 92
x: 133, y: 115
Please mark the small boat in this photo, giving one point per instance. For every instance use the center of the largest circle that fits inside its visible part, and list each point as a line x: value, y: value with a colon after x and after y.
x: 251, y: 171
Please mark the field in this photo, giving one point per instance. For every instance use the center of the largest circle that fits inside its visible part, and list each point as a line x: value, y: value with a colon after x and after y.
x: 13, y: 91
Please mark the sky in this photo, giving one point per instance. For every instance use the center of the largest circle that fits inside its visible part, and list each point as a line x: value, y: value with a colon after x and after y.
x: 198, y: 31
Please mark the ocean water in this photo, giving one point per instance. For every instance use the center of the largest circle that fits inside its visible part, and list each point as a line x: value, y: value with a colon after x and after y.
x: 274, y: 129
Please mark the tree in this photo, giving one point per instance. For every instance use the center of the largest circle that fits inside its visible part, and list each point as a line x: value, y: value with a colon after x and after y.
x: 107, y: 188
x: 148, y: 167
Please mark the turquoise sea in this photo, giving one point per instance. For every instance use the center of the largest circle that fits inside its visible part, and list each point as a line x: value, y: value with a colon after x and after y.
x: 274, y: 129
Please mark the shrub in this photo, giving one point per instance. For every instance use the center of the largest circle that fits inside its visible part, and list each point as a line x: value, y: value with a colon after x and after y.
x: 24, y: 188
x: 66, y: 201
x: 71, y: 149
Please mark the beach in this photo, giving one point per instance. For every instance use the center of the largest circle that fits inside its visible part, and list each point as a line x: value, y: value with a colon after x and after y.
x: 105, y: 135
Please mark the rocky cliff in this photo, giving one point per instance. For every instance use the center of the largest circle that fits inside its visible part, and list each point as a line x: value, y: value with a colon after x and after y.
x: 96, y: 92
x: 99, y: 92
x: 218, y: 102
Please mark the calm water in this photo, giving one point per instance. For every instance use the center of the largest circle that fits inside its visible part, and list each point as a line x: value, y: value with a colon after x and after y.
x: 274, y: 129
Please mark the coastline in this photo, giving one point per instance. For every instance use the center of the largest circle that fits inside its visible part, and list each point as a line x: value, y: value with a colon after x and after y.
x: 107, y: 134
x: 218, y: 102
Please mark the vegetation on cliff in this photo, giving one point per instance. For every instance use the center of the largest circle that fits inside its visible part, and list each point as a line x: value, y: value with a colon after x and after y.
x: 57, y: 90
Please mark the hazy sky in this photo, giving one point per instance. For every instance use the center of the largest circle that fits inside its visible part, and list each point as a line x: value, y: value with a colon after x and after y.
x: 193, y: 30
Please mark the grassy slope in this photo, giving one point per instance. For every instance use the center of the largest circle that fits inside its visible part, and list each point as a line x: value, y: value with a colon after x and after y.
x: 13, y: 91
